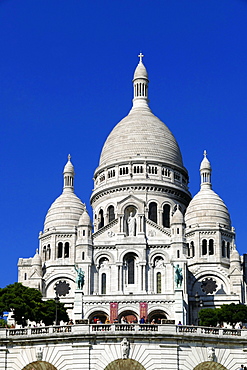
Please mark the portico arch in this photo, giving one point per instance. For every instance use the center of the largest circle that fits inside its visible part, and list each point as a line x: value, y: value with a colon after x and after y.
x: 210, y: 365
x: 124, y: 364
x: 39, y: 365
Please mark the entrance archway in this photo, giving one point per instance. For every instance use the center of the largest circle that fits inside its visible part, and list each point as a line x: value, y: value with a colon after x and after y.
x: 210, y: 365
x: 39, y: 365
x: 130, y: 317
x: 125, y: 364
x: 102, y: 316
x: 157, y: 315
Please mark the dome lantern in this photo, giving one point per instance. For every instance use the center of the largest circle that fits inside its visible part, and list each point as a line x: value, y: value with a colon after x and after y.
x: 140, y: 83
x: 68, y: 176
x: 205, y: 170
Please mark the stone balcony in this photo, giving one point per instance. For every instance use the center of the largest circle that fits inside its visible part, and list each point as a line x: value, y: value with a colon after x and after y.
x: 121, y: 329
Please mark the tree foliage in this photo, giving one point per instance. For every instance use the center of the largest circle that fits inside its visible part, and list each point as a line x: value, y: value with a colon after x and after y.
x: 228, y: 313
x: 27, y: 304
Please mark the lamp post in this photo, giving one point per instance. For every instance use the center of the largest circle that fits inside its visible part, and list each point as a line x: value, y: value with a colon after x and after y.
x: 56, y: 302
x: 199, y: 303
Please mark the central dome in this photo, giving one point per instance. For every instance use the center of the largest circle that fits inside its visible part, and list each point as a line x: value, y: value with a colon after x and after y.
x: 141, y: 134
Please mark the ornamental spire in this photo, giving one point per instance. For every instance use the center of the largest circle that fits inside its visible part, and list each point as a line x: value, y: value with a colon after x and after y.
x: 140, y: 83
x: 205, y: 170
x: 68, y: 176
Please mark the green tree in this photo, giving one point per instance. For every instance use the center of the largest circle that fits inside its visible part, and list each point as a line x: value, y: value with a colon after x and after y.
x: 208, y: 317
x: 232, y: 314
x: 228, y: 313
x: 46, y: 312
x: 26, y: 304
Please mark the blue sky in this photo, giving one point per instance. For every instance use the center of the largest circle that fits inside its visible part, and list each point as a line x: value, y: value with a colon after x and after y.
x: 66, y: 72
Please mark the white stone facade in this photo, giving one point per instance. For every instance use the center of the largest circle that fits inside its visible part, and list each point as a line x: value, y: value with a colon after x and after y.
x: 145, y: 227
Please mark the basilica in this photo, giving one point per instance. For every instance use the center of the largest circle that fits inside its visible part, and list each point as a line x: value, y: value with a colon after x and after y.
x: 151, y: 252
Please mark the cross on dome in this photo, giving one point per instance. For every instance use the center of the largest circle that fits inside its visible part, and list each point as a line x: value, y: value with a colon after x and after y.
x: 205, y: 153
x: 140, y: 56
x: 69, y: 157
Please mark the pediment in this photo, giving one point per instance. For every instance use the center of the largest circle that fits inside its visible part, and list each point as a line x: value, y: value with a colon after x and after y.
x: 131, y: 200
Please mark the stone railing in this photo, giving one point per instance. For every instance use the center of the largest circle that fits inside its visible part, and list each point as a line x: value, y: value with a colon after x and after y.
x: 210, y: 330
x: 84, y: 329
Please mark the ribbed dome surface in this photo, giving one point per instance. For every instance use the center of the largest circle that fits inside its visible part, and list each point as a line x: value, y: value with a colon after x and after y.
x: 207, y: 207
x: 141, y: 133
x: 64, y: 212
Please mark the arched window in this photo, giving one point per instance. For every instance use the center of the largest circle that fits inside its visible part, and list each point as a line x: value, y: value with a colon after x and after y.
x: 166, y: 215
x: 44, y: 252
x: 211, y: 247
x: 223, y: 248
x: 188, y: 249
x: 60, y: 250
x: 228, y: 250
x: 130, y: 266
x: 152, y: 212
x: 103, y: 283
x: 82, y: 255
x: 25, y: 276
x: 66, y: 250
x: 204, y: 247
x: 111, y: 213
x: 101, y: 218
x: 158, y: 282
x: 192, y: 249
x: 48, y: 252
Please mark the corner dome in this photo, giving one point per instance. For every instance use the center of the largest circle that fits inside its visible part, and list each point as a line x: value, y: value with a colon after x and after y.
x: 207, y: 208
x: 66, y: 210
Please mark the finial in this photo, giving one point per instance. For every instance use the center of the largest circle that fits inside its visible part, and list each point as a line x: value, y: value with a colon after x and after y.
x: 205, y: 153
x: 140, y: 56
x: 69, y: 157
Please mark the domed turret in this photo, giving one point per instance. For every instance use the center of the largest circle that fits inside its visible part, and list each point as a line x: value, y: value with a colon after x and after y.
x: 177, y: 217
x: 36, y: 260
x: 66, y: 210
x: 207, y: 208
x: 85, y: 219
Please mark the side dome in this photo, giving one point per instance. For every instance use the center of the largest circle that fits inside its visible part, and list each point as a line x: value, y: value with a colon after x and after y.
x: 207, y: 208
x: 66, y: 210
x: 141, y: 134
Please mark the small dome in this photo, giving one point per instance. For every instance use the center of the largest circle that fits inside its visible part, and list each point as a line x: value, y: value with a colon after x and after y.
x: 85, y: 219
x: 140, y: 71
x: 205, y: 164
x: 177, y: 217
x: 36, y: 260
x: 69, y: 166
x: 64, y: 212
x: 235, y: 257
x: 207, y: 208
